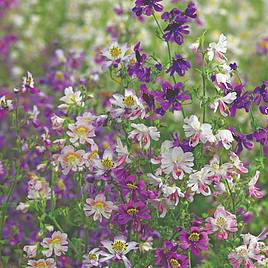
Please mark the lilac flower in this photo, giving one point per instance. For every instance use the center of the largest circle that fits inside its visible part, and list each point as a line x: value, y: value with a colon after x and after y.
x: 147, y: 7
x: 179, y: 65
x: 196, y: 240
x: 177, y: 260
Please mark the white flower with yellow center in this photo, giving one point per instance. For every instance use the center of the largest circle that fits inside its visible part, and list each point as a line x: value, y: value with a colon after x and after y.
x: 105, y: 164
x: 71, y: 159
x: 42, y: 263
x: 99, y: 207
x: 71, y: 97
x: 91, y: 259
x: 57, y: 243
x: 118, y: 250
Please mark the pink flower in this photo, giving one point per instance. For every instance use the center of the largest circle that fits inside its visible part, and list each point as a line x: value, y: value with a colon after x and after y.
x: 222, y: 223
x: 99, y: 207
x: 57, y: 243
x: 238, y: 163
x: 254, y: 191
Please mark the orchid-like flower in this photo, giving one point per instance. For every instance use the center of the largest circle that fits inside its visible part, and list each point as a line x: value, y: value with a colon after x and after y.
x: 71, y: 98
x: 197, y: 131
x: 91, y: 259
x: 117, y: 250
x: 254, y: 191
x: 218, y: 50
x: 221, y: 103
x: 44, y: 263
x: 57, y: 243
x: 238, y: 163
x: 225, y: 136
x: 144, y: 134
x: 99, y: 207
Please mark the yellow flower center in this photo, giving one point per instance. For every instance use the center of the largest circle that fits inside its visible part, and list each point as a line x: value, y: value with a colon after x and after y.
x: 106, y: 145
x: 61, y: 184
x: 128, y: 101
x: 99, y: 205
x: 59, y: 75
x: 132, y: 186
x: 242, y: 252
x: 119, y: 246
x: 132, y: 211
x: 72, y: 157
x: 194, y: 237
x: 132, y: 61
x: 220, y: 221
x: 55, y: 241
x: 174, y: 263
x: 115, y: 52
x: 92, y: 155
x: 92, y: 256
x: 81, y: 130
x: 41, y: 264
x: 107, y: 163
x: 29, y: 81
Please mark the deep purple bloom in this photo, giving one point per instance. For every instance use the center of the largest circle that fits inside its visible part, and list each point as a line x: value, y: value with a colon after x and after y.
x: 147, y: 96
x: 130, y: 185
x: 161, y: 253
x: 261, y: 93
x: 196, y: 240
x: 179, y: 66
x: 177, y: 260
x: 147, y: 7
x: 133, y: 212
x: 170, y: 97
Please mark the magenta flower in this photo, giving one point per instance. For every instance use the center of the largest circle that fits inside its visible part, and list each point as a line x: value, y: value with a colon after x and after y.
x: 222, y: 223
x: 196, y: 240
x: 130, y: 185
x: 176, y: 260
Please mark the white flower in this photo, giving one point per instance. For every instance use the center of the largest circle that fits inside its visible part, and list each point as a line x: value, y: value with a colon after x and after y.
x: 27, y: 81
x: 173, y: 193
x: 91, y: 259
x: 48, y: 263
x: 105, y: 164
x: 225, y: 137
x: 197, y: 131
x: 30, y: 250
x: 118, y: 249
x: 57, y: 243
x: 71, y: 159
x: 71, y: 98
x: 34, y: 113
x: 144, y: 134
x: 217, y: 50
x: 238, y: 163
x: 23, y: 207
x: 81, y: 132
x: 99, y: 207
x: 177, y: 162
x: 224, y: 76
x: 38, y: 188
x: 128, y: 105
x: 199, y: 181
x: 221, y: 103
x: 122, y: 151
x: 91, y: 156
x: 57, y: 122
x: 6, y: 103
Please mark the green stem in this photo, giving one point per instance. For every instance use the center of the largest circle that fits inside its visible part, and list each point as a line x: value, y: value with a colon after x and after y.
x: 204, y: 86
x: 189, y: 258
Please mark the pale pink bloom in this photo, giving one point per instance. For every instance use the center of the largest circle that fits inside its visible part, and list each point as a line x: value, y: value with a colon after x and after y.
x: 162, y: 205
x: 44, y: 263
x: 222, y: 102
x: 197, y: 131
x: 38, y: 188
x: 146, y: 245
x: 57, y: 122
x: 144, y: 134
x: 91, y: 156
x: 71, y: 159
x: 254, y: 191
x: 105, y: 164
x: 129, y: 106
x: 71, y: 97
x: 122, y: 152
x: 57, y: 243
x: 99, y: 207
x: 91, y: 259
x: 86, y: 118
x: 225, y: 137
x: 173, y: 193
x: 199, y: 182
x: 176, y: 162
x: 30, y: 250
x: 238, y: 163
x: 81, y: 132
x: 118, y: 249
x: 217, y: 50
x: 222, y: 223
x: 23, y: 207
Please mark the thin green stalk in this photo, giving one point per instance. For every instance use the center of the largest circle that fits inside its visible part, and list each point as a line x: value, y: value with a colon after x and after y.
x: 204, y: 86
x: 189, y: 258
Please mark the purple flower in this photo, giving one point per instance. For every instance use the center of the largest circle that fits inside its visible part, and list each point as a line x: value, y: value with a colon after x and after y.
x: 147, y: 7
x: 177, y: 260
x: 261, y: 93
x: 129, y: 185
x: 161, y: 253
x: 179, y: 66
x: 196, y: 240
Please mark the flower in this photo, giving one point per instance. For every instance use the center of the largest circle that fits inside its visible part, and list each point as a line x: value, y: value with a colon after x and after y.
x: 225, y: 137
x: 106, y: 164
x: 128, y: 105
x: 173, y: 193
x: 71, y: 159
x: 197, y: 131
x: 177, y: 162
x: 254, y: 191
x: 133, y: 211
x: 199, y: 181
x: 238, y: 163
x: 118, y: 248
x: 130, y: 185
x: 217, y: 50
x: 6, y: 104
x: 81, y: 132
x: 44, y: 263
x: 196, y: 240
x: 144, y: 134
x: 221, y: 103
x: 222, y: 223
x: 38, y: 188
x: 28, y: 83
x: 30, y: 250
x: 91, y: 259
x: 71, y: 98
x: 179, y: 65
x: 147, y: 7
x: 99, y: 207
x: 176, y: 260
x: 57, y: 243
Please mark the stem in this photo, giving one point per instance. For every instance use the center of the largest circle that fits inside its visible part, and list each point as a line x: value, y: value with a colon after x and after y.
x: 204, y: 86
x: 189, y: 258
x: 231, y: 195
